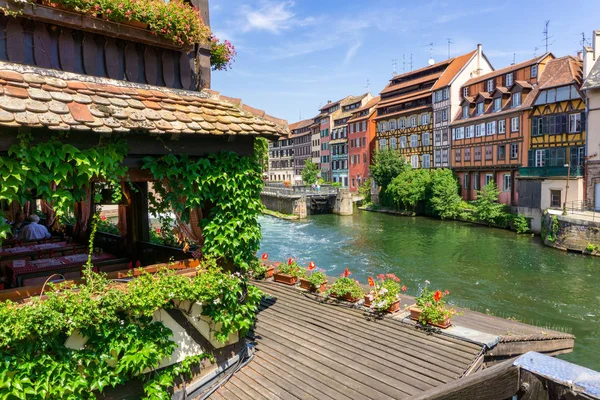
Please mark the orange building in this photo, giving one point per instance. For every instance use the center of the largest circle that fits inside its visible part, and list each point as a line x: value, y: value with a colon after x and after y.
x: 361, y: 143
x: 490, y: 134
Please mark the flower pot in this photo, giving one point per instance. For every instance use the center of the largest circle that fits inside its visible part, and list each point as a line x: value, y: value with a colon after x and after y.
x: 367, y: 301
x: 306, y: 285
x: 270, y: 271
x: 346, y: 297
x: 415, y: 313
x: 443, y: 325
x: 395, y: 306
x: 136, y: 24
x: 53, y: 5
x: 287, y: 279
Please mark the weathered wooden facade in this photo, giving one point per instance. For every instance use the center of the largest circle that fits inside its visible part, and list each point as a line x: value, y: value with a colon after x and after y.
x: 490, y: 136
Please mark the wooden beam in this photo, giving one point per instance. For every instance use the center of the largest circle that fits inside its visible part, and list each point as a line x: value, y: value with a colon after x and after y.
x: 496, y: 383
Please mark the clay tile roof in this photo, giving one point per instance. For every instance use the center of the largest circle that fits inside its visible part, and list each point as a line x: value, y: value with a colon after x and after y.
x: 508, y: 69
x: 453, y: 69
x: 404, y: 98
x: 41, y: 98
x: 562, y: 71
x: 352, y: 99
x: 392, y: 88
x: 523, y: 84
x: 301, y: 124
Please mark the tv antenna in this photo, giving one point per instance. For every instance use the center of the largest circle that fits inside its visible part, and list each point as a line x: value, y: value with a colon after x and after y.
x: 403, y: 62
x: 514, y: 59
x: 431, y: 61
x: 394, y: 65
x: 535, y: 50
x: 547, y: 36
x: 368, y: 86
x: 411, y: 62
x: 449, y: 40
x: 584, y: 40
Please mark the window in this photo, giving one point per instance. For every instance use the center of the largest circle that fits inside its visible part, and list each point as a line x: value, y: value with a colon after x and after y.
x: 489, y: 152
x: 401, y: 123
x: 460, y: 132
x: 364, y: 157
x: 539, y: 158
x: 465, y: 91
x: 478, y: 131
x: 490, y: 85
x: 514, y: 124
x: 480, y: 108
x: 414, y: 161
x: 490, y: 128
x: 477, y: 154
x: 446, y: 94
x: 501, y: 152
x: 506, y: 183
x: 514, y: 151
x: 489, y: 178
x: 424, y: 119
x: 555, y: 200
x: 382, y: 144
x: 577, y: 156
x: 414, y: 140
x: 534, y: 71
x: 498, y: 104
x: 469, y: 131
x: 574, y: 123
x: 413, y: 121
x: 402, y: 142
x: 457, y: 155
x: 445, y: 114
x: 509, y: 79
x: 466, y: 181
x: 466, y: 111
x: 426, y: 139
x: 468, y: 154
x: 502, y: 126
x: 364, y: 140
x: 364, y: 125
x: 516, y: 99
x: 438, y: 96
x: 426, y: 161
x: 476, y: 181
x: 393, y: 143
x: 392, y: 124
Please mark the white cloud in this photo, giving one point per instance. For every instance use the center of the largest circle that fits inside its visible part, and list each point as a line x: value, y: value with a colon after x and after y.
x: 352, y: 52
x: 447, y: 17
x: 270, y: 16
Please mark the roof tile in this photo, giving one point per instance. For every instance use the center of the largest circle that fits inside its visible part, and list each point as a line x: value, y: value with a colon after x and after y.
x: 35, y: 106
x: 12, y: 104
x: 58, y: 107
x: 11, y: 76
x: 38, y: 94
x: 6, y: 116
x: 27, y: 118
x: 15, y: 91
x: 80, y: 112
x: 56, y: 82
x: 62, y: 96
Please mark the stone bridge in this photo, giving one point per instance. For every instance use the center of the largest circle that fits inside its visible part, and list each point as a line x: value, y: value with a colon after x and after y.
x: 306, y: 200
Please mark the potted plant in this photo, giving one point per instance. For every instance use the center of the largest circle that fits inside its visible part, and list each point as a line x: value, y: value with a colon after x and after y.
x: 270, y: 268
x: 346, y: 288
x: 288, y: 273
x: 313, y: 280
x: 431, y: 308
x: 385, y: 295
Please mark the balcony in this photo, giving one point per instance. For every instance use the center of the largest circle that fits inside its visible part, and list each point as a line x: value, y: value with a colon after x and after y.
x: 547, y: 172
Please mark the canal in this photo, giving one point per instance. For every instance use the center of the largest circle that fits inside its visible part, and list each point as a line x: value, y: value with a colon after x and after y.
x: 485, y: 269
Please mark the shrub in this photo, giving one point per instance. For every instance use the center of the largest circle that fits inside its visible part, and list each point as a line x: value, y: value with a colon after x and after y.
x: 445, y: 201
x: 590, y: 248
x: 487, y: 208
x: 410, y: 188
x: 521, y: 224
x: 310, y: 172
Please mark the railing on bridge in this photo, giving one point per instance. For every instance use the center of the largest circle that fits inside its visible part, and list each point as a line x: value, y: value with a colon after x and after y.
x: 582, y: 207
x: 296, y: 190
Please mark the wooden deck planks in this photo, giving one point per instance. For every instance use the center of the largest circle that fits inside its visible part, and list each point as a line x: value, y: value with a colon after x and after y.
x: 309, y: 350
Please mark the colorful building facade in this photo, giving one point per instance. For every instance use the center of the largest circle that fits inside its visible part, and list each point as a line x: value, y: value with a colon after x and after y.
x: 301, y: 136
x: 281, y: 160
x: 361, y: 142
x: 490, y: 136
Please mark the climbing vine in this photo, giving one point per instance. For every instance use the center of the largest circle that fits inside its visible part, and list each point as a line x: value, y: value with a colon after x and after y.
x: 58, y: 173
x: 122, y: 339
x: 226, y: 187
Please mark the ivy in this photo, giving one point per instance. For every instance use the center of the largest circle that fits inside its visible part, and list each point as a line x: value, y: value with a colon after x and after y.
x: 58, y: 173
x: 226, y: 187
x: 123, y: 340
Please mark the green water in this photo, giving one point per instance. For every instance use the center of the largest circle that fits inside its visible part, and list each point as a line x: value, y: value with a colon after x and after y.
x: 483, y: 268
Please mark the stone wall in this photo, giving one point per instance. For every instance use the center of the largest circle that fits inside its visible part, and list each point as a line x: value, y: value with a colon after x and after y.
x: 568, y: 232
x: 294, y: 205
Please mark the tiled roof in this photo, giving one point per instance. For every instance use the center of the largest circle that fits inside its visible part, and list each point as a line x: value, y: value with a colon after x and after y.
x: 56, y: 100
x: 593, y: 79
x: 502, y: 89
x: 372, y: 104
x: 404, y: 98
x: 301, y: 124
x: 523, y: 84
x: 352, y: 99
x: 453, y: 69
x: 508, y: 69
x: 418, y: 71
x: 392, y: 88
x: 562, y: 71
x: 526, y: 104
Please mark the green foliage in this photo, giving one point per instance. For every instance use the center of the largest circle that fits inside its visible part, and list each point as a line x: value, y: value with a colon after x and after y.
x: 410, y: 188
x: 261, y: 152
x: 386, y: 166
x: 291, y: 269
x: 345, y: 285
x: 590, y: 248
x: 552, y: 230
x: 487, y: 208
x: 433, y: 306
x: 310, y: 172
x: 104, y: 225
x: 336, y: 184
x: 58, y: 172
x: 257, y: 270
x: 521, y: 224
x: 226, y: 187
x: 123, y: 341
x: 158, y: 386
x: 365, y: 191
x: 316, y: 278
x: 445, y: 201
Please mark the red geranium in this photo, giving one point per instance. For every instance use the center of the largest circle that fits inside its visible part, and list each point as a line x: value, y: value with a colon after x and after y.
x: 346, y: 273
x: 265, y: 256
x: 403, y: 288
x: 311, y: 266
x: 290, y: 261
x: 371, y: 281
x: 437, y: 296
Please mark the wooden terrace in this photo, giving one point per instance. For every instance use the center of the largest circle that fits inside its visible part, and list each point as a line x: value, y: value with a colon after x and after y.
x: 310, y: 348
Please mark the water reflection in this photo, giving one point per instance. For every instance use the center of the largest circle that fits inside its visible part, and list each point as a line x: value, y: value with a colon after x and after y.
x: 484, y: 268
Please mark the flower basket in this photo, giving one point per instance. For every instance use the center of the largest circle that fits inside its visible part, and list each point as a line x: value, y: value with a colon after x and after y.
x: 304, y: 284
x: 346, y: 297
x: 287, y: 279
x: 270, y: 271
x: 136, y: 24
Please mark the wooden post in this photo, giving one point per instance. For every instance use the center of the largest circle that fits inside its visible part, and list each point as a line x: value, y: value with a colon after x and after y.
x: 137, y: 216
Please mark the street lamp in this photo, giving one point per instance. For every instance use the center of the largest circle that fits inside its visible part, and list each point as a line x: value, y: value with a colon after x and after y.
x: 567, y: 189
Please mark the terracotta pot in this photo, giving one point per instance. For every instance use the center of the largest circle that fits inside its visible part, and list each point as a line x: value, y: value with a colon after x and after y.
x: 270, y: 271
x: 136, y: 24
x: 287, y: 279
x: 395, y: 306
x: 346, y: 297
x: 444, y: 324
x: 304, y: 284
x: 367, y: 301
x: 415, y: 313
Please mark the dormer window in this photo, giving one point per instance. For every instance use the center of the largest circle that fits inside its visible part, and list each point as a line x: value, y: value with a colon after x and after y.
x: 509, y: 80
x: 480, y: 108
x: 516, y: 99
x: 490, y: 85
x: 498, y: 104
x: 534, y: 71
x: 466, y: 111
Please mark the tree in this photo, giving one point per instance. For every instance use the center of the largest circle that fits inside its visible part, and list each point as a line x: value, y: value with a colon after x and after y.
x: 410, y: 189
x: 365, y: 190
x: 310, y: 172
x: 487, y: 208
x: 261, y: 151
x: 386, y: 166
x: 445, y: 201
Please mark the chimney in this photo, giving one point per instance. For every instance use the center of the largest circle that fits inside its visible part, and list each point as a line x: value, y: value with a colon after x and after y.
x: 596, y: 44
x: 477, y: 71
x: 328, y: 101
x: 590, y: 54
x: 580, y: 55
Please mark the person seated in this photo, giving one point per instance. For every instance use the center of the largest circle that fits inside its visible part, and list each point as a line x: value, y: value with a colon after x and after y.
x: 33, y: 230
x: 18, y: 224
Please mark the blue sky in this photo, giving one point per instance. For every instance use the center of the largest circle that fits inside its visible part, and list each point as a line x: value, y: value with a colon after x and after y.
x: 293, y: 56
